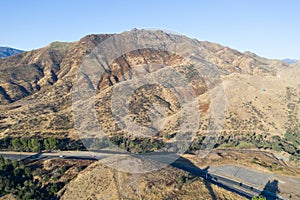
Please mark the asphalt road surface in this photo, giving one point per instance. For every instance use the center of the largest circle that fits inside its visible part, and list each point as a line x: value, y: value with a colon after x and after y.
x: 175, y: 160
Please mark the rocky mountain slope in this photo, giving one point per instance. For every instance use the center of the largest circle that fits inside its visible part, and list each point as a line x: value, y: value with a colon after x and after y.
x: 6, y: 52
x: 259, y: 102
x: 261, y: 95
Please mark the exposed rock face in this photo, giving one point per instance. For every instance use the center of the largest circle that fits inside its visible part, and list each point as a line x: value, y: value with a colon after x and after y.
x: 36, y: 87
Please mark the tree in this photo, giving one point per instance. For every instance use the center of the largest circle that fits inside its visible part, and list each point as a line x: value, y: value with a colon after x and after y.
x: 50, y: 143
x: 259, y: 198
x: 289, y: 148
x: 16, y: 143
x: 180, y: 181
x: 46, y: 144
x: 24, y: 146
x: 2, y: 162
x: 34, y: 145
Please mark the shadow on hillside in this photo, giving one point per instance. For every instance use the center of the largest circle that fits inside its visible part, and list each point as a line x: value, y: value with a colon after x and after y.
x: 210, y: 189
x: 186, y: 165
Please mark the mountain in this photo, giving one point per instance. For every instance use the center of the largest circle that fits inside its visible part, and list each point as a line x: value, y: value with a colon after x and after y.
x: 6, y: 52
x: 178, y: 87
x: 290, y: 61
x: 41, y: 89
x: 36, y: 87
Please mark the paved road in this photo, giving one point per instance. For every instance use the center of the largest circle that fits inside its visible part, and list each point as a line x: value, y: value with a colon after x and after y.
x: 63, y: 154
x: 175, y: 160
x: 241, y: 173
x: 16, y: 155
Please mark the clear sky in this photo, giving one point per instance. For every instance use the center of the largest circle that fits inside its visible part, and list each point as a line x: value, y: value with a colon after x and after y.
x: 269, y: 28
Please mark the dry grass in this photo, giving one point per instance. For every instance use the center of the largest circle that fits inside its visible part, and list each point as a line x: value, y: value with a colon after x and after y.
x: 101, y: 182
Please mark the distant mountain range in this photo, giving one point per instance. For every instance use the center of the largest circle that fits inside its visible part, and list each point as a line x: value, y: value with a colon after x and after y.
x: 7, y: 51
x: 290, y: 61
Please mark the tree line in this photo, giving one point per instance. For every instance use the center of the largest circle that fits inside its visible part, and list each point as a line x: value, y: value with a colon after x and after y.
x: 289, y: 143
x: 39, y: 144
x: 137, y: 145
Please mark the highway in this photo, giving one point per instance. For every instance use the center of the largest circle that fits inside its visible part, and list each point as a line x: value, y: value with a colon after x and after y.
x: 176, y: 161
x: 61, y: 154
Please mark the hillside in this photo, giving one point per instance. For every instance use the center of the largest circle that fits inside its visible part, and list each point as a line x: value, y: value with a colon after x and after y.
x: 184, y: 95
x: 101, y: 182
x: 36, y: 87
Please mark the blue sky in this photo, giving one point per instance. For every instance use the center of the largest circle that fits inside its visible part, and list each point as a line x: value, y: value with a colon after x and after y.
x: 269, y: 28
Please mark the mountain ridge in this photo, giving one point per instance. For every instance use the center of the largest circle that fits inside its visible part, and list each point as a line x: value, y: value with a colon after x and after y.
x: 8, y: 51
x: 260, y: 98
x: 234, y: 61
x: 37, y: 85
x: 290, y: 61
